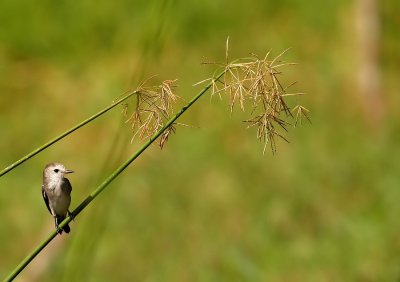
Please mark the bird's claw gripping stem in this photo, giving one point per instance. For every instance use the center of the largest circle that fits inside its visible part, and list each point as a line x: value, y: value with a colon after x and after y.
x: 71, y: 215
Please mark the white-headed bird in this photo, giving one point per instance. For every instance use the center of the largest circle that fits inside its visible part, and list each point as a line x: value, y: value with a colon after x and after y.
x: 56, y: 191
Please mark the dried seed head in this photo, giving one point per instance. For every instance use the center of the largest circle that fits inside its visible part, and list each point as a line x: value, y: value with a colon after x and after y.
x: 255, y: 82
x: 153, y: 106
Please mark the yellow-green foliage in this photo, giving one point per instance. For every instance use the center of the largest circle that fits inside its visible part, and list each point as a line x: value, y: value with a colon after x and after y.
x: 209, y: 206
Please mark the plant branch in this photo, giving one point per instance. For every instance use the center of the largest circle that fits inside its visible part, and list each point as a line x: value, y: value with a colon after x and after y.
x: 108, y: 180
x: 69, y: 131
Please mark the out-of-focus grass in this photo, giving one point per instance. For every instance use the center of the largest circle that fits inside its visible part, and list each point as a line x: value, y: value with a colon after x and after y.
x: 209, y: 206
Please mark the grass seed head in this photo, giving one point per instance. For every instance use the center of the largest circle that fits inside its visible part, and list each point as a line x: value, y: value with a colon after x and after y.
x: 153, y: 107
x: 255, y: 82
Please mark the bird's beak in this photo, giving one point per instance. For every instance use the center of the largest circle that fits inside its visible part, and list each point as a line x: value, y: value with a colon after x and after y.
x: 68, y: 171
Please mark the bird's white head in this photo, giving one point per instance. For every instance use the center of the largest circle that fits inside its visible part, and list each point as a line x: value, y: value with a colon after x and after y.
x: 54, y: 171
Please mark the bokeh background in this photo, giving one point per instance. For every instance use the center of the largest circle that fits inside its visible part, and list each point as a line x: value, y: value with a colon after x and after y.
x: 209, y: 206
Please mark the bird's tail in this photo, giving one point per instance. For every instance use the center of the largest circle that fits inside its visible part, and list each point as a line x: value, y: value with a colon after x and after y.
x: 66, y: 228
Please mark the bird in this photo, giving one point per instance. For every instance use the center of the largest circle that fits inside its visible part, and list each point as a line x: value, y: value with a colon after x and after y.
x: 56, y: 192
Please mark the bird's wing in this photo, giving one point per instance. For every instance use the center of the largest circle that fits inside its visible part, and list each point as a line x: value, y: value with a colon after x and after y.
x: 45, y: 198
x: 67, y: 185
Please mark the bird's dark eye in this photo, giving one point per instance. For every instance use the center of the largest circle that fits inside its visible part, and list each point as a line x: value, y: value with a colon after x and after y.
x: 56, y: 170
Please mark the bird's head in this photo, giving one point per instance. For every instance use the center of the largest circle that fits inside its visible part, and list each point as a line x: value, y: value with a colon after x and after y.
x: 55, y: 171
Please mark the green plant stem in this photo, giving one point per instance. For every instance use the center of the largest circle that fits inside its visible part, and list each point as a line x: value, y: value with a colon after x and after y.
x: 105, y: 184
x: 69, y: 131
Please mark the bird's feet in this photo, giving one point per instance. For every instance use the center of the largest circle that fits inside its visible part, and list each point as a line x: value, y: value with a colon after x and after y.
x: 71, y: 215
x: 58, y: 229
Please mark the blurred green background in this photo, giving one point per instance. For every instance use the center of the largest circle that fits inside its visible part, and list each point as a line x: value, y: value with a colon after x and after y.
x: 210, y: 206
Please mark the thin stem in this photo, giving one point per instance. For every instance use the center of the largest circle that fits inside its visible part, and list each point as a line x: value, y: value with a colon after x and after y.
x: 51, y: 142
x: 105, y: 184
